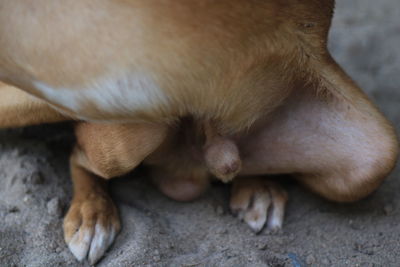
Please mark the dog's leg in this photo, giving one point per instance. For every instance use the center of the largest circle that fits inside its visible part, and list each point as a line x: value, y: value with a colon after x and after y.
x: 335, y: 142
x: 358, y: 147
x: 111, y: 150
x: 92, y: 221
x: 221, y: 154
x: 19, y: 109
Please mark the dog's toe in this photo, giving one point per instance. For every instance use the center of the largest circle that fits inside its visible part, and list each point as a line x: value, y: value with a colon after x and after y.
x: 256, y: 215
x: 102, y: 239
x: 79, y: 244
x: 258, y: 202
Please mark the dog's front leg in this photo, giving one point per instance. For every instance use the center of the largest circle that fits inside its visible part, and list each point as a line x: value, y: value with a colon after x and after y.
x: 92, y: 221
x: 103, y: 151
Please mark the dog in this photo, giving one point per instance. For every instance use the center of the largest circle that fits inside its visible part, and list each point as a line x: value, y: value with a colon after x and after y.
x: 179, y: 169
x: 92, y: 221
x: 255, y: 77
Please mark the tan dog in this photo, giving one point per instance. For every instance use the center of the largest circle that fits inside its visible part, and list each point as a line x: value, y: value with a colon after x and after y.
x: 152, y: 60
x: 257, y: 73
x: 179, y: 169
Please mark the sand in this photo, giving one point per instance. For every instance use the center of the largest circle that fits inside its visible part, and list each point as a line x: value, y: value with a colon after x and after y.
x: 35, y: 189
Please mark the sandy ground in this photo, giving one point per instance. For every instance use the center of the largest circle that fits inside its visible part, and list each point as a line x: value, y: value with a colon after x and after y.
x: 35, y: 189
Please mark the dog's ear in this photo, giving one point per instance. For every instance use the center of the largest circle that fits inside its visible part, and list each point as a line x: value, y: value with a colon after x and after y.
x: 19, y: 109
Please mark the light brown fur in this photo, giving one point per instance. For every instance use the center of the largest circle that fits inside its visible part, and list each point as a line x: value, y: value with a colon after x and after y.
x: 259, y: 71
x: 219, y: 61
x: 17, y: 109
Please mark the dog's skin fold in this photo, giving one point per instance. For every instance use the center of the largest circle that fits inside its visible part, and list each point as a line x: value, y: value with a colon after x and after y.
x: 237, y: 89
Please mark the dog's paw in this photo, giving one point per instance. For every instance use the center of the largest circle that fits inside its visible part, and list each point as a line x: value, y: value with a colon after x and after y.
x: 91, y: 226
x: 258, y: 202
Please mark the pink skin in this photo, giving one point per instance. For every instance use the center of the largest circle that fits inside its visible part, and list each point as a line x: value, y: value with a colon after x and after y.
x: 328, y: 145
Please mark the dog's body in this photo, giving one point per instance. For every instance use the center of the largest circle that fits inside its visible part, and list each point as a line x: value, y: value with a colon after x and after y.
x: 151, y: 60
x: 255, y: 76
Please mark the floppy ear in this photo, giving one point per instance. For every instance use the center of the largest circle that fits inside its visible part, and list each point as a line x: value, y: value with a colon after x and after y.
x: 19, y: 109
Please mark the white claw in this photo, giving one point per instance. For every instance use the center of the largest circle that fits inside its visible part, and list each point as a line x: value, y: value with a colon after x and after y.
x: 277, y: 213
x: 256, y: 216
x: 80, y: 243
x: 276, y: 219
x: 99, y: 245
x: 112, y: 235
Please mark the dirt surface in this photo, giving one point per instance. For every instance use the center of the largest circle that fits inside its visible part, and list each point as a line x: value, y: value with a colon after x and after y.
x: 35, y: 189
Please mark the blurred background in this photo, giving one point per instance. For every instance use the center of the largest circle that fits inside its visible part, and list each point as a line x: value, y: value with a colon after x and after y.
x: 35, y: 189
